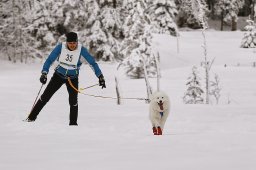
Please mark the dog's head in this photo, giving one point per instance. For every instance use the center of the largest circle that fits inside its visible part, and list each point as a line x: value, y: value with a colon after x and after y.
x: 160, y: 99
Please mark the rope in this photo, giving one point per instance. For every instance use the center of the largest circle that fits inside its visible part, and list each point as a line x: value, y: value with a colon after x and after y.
x: 70, y: 83
x: 80, y: 89
x: 89, y: 86
x: 104, y: 97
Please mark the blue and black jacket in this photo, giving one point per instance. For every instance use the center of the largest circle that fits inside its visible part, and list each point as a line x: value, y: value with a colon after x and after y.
x: 64, y: 73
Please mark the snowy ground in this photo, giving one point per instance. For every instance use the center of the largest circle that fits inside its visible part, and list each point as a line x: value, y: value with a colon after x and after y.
x: 198, y: 137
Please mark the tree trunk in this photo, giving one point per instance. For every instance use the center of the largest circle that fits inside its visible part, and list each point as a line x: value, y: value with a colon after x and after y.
x: 149, y: 89
x: 114, y: 3
x: 234, y: 24
x: 207, y: 69
x: 14, y: 31
x: 158, y: 70
x: 222, y: 21
x: 207, y: 82
x: 118, y: 92
x: 252, y: 9
x: 211, y: 8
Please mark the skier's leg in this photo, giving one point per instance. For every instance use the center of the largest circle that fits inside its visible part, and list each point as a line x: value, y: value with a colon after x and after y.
x: 73, y: 94
x: 54, y: 84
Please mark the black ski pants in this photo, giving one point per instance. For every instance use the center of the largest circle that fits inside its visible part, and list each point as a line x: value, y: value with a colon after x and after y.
x: 55, y: 83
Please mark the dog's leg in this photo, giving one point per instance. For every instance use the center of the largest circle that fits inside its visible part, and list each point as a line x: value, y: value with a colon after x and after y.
x: 162, y: 122
x: 159, y: 131
x: 154, y: 130
x: 158, y: 126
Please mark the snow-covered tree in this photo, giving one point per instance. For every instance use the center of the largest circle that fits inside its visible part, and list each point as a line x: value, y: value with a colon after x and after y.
x: 228, y: 10
x: 194, y: 92
x: 61, y: 16
x: 32, y: 28
x: 138, y: 39
x: 211, y: 87
x: 15, y: 42
x: 249, y: 39
x: 253, y: 9
x: 7, y: 26
x: 104, y: 33
x: 162, y: 14
x: 207, y: 64
x: 188, y: 10
x: 50, y: 20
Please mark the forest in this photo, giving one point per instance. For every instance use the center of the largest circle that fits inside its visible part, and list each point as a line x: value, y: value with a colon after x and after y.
x: 112, y: 30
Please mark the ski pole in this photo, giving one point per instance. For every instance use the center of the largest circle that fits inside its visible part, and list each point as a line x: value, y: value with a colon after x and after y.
x: 36, y: 97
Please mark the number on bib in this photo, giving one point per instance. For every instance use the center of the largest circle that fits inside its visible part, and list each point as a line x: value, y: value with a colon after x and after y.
x: 69, y: 58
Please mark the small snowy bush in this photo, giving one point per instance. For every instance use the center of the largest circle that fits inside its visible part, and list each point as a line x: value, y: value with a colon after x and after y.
x: 249, y: 39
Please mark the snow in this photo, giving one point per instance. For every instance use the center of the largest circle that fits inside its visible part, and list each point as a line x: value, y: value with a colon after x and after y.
x: 198, y: 137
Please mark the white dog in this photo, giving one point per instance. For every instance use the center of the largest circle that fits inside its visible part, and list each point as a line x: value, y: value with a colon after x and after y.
x: 159, y: 108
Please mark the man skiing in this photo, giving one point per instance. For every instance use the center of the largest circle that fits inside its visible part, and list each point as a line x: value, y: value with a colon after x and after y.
x: 68, y: 55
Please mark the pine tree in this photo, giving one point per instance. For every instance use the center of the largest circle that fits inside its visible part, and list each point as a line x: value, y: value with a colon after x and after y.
x: 6, y: 28
x: 228, y: 10
x: 39, y: 29
x: 32, y: 28
x: 194, y: 92
x: 211, y: 4
x: 60, y: 17
x: 162, y: 14
x: 249, y: 39
x: 104, y: 31
x: 15, y: 42
x: 188, y: 13
x: 51, y: 20
x: 252, y: 6
x: 136, y: 46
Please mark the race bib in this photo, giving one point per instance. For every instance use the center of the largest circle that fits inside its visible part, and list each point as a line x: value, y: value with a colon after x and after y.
x: 69, y: 59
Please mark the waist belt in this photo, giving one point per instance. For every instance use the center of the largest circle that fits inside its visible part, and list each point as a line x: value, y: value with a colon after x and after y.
x: 65, y: 73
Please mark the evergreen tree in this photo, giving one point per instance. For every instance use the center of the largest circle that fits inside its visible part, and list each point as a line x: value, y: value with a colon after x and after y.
x: 194, y: 92
x: 60, y: 17
x: 40, y: 28
x: 211, y: 4
x: 162, y: 14
x: 228, y: 10
x: 15, y: 42
x: 53, y: 19
x: 253, y: 9
x: 188, y: 13
x: 32, y: 28
x: 7, y: 27
x: 248, y: 9
x: 249, y: 39
x: 104, y: 31
x: 136, y: 46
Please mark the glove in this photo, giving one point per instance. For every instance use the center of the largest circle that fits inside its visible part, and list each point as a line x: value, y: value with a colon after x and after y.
x: 102, y: 81
x: 43, y: 78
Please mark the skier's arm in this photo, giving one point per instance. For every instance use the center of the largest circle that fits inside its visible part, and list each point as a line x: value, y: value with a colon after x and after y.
x: 91, y: 61
x: 51, y: 58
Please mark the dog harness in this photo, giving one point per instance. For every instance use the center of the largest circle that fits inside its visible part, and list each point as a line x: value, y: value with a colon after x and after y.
x: 162, y: 114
